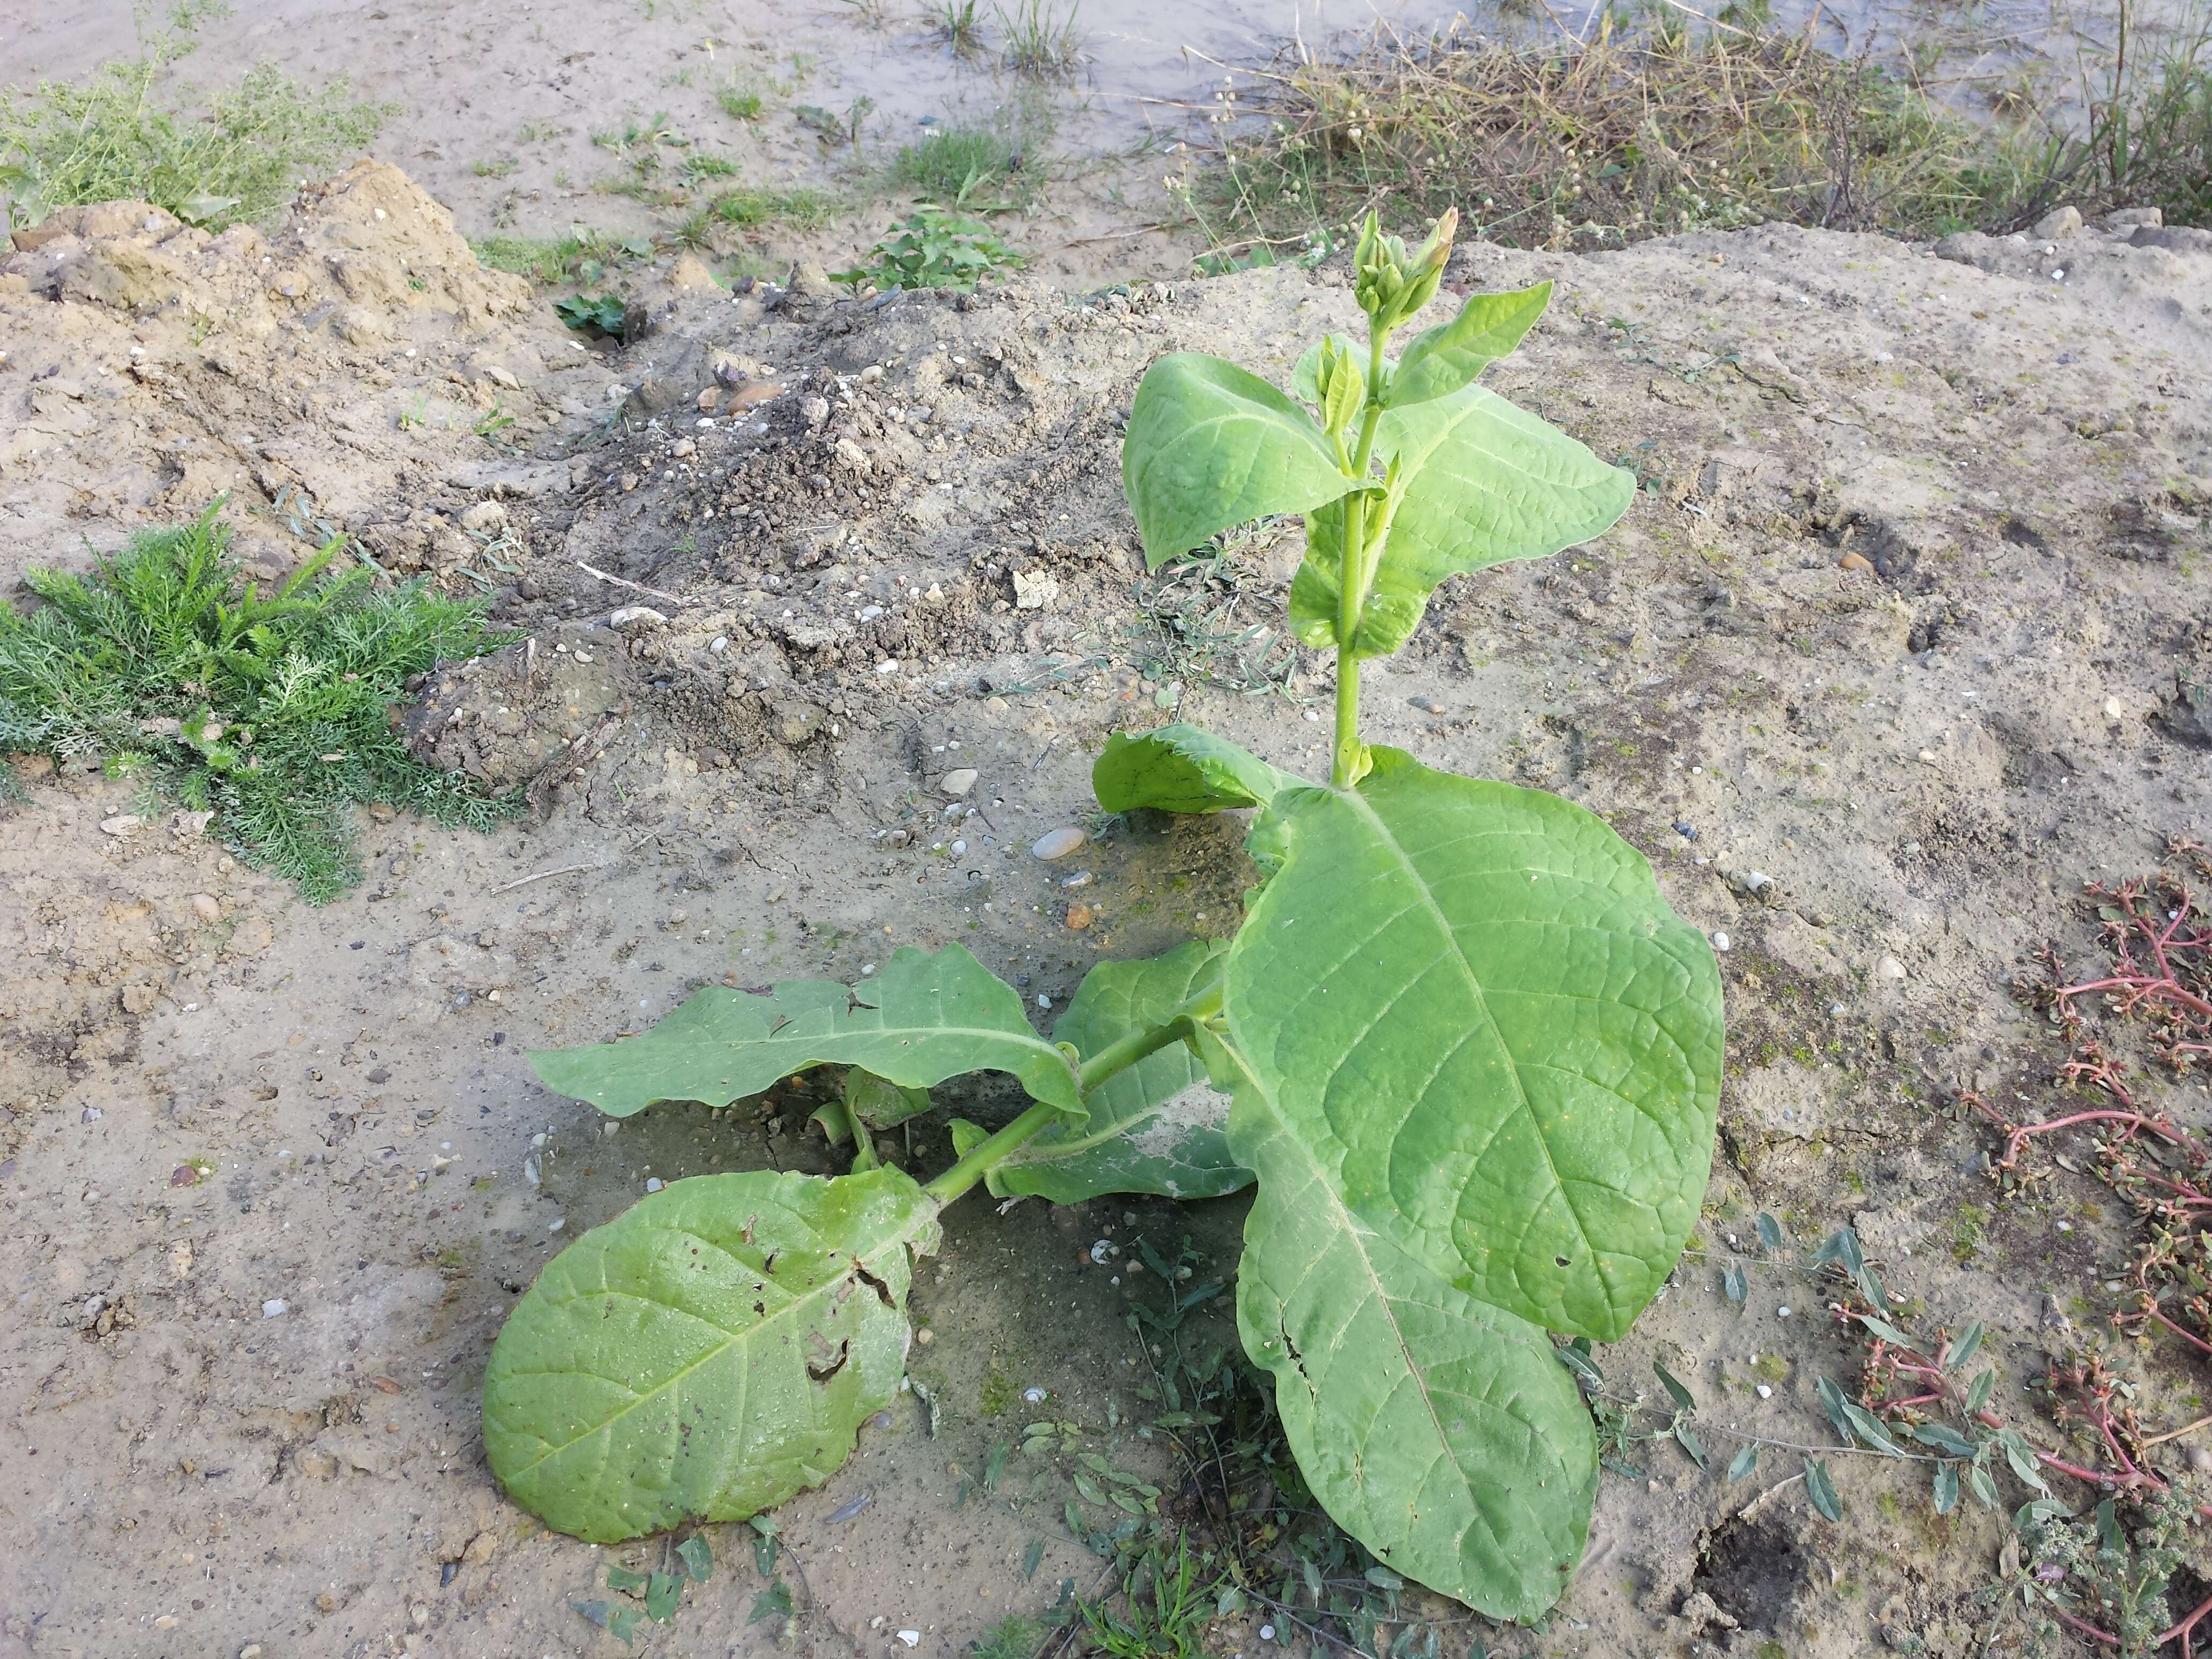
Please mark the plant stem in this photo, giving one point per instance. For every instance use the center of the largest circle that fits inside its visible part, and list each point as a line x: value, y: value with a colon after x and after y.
x: 980, y: 1159
x: 1353, y: 576
x: 1109, y: 1061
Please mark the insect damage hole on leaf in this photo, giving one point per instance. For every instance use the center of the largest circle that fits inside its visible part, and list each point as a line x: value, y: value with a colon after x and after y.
x: 1475, y: 1089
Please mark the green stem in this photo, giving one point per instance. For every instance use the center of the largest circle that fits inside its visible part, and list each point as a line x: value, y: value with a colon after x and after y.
x: 1352, y: 576
x: 1109, y: 1061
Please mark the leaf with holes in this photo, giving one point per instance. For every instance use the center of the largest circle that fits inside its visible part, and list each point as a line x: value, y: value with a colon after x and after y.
x: 1160, y: 1127
x: 707, y: 1354
x: 1181, y: 768
x: 1478, y: 1015
x: 1210, y: 445
x: 1440, y: 1431
x: 928, y: 1015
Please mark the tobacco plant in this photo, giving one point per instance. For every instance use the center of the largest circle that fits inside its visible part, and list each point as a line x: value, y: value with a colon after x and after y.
x: 1468, y: 1056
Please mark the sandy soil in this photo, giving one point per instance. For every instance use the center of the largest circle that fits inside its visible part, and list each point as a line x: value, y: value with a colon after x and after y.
x: 1902, y: 622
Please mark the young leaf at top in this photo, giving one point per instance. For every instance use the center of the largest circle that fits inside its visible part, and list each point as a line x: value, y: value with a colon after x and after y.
x: 1440, y: 1431
x: 928, y: 1015
x: 707, y: 1354
x: 1443, y: 358
x: 1181, y: 768
x: 1160, y: 1126
x: 1210, y: 445
x: 1305, y: 373
x: 1473, y: 1008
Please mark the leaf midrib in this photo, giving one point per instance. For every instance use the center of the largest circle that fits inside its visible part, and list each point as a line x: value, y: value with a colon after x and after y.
x: 715, y: 1352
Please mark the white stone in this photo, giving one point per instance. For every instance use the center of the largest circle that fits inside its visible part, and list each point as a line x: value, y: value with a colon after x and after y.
x: 959, y: 781
x: 1888, y: 968
x: 273, y: 1307
x: 1057, y: 843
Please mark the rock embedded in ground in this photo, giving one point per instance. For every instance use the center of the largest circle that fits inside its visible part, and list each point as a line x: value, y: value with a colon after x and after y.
x: 959, y: 781
x: 1057, y: 843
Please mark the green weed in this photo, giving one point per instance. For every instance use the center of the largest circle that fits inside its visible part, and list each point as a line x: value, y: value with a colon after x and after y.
x: 749, y: 209
x: 1041, y: 41
x: 271, y: 713
x: 955, y: 22
x: 935, y: 247
x: 1168, y: 1608
x: 593, y: 313
x: 957, y: 160
x: 739, y: 103
x: 114, y: 138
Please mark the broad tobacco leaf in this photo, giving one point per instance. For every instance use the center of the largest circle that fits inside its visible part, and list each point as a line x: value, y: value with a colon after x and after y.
x: 1210, y: 445
x: 1439, y: 1430
x: 1485, y: 482
x: 1474, y: 1012
x: 1181, y: 768
x: 928, y: 1015
x: 1443, y: 358
x: 708, y: 1353
x: 1159, y: 1127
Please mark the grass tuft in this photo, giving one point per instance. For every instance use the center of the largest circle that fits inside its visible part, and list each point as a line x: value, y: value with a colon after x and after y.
x: 1041, y: 41
x: 115, y: 139
x: 958, y: 158
x: 271, y: 713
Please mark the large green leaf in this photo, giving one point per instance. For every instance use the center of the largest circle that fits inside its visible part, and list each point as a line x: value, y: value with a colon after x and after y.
x: 1443, y: 358
x: 1473, y: 1009
x: 1486, y: 481
x: 1181, y: 768
x: 707, y: 1354
x: 1439, y: 1432
x: 926, y: 1018
x: 1210, y: 445
x: 1159, y: 1127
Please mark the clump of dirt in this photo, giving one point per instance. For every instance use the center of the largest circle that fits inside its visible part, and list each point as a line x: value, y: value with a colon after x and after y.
x: 1892, y: 650
x: 360, y: 371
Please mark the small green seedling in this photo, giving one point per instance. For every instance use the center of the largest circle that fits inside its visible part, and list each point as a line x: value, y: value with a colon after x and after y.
x: 593, y: 313
x: 937, y: 247
x: 1471, y: 1057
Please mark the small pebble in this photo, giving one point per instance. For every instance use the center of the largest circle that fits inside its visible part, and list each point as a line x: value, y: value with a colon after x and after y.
x: 1720, y: 941
x: 654, y: 1184
x: 1766, y: 1393
x: 911, y: 1637
x: 958, y: 783
x: 1035, y: 1396
x: 924, y: 1336
x: 273, y: 1307
x: 1078, y: 918
x: 1080, y: 878
x: 1058, y: 843
x: 1267, y: 1632
x: 1888, y: 968
x: 123, y: 824
x: 1782, y: 1313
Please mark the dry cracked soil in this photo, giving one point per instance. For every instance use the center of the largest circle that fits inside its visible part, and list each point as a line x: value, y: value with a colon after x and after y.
x: 1907, y: 636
